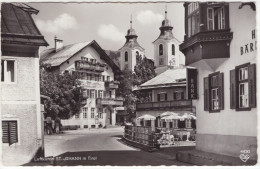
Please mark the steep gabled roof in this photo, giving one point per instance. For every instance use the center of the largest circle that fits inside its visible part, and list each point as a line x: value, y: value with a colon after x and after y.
x: 53, y: 58
x: 18, y: 27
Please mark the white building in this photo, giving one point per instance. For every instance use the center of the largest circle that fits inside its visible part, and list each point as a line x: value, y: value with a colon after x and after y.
x: 220, y: 42
x: 21, y: 117
x: 97, y: 71
x: 166, y: 48
x: 130, y: 51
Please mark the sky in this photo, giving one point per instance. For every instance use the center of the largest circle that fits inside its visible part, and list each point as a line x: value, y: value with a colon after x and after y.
x: 107, y: 23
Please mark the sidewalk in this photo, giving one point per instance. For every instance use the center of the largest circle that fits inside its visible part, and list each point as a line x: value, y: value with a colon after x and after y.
x: 200, y: 158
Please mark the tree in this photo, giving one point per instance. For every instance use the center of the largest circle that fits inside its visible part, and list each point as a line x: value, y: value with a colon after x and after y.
x: 64, y: 91
x: 144, y: 71
x: 125, y: 90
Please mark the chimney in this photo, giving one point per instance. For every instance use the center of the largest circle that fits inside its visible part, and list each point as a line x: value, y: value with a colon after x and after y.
x: 58, y: 44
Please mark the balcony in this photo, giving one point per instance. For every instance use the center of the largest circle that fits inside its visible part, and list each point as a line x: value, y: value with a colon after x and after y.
x: 112, y: 84
x: 110, y: 101
x: 207, y: 45
x: 176, y: 104
x: 86, y: 65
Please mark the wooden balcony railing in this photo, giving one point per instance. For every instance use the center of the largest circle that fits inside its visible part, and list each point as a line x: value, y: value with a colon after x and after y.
x: 85, y: 65
x: 110, y: 101
x: 165, y: 104
x: 112, y: 84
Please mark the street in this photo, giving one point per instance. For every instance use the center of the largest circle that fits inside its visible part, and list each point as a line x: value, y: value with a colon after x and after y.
x: 100, y: 147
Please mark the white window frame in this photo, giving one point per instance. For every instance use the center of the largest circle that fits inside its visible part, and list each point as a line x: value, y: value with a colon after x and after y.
x: 100, y: 93
x: 221, y: 18
x: 85, y: 112
x: 243, y: 94
x: 210, y: 19
x: 5, y: 70
x: 92, y: 113
x: 188, y: 123
x: 214, y: 99
x: 175, y: 123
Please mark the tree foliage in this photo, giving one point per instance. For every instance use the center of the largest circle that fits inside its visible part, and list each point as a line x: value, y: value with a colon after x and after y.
x: 64, y: 91
x: 144, y: 71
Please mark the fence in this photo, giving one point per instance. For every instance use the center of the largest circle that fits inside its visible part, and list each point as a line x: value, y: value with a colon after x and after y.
x: 141, y: 135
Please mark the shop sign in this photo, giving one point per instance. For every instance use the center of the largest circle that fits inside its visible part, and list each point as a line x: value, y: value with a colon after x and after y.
x: 249, y: 47
x: 192, y: 83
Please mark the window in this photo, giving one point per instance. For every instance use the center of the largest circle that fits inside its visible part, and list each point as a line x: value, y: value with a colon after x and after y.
x: 85, y: 112
x: 138, y: 57
x: 9, y: 132
x: 126, y: 56
x: 162, y: 96
x: 100, y: 94
x: 92, y: 113
x: 96, y: 78
x: 214, y: 99
x: 85, y: 93
x: 77, y: 116
x: 178, y: 95
x: 92, y: 76
x: 160, y: 49
x: 100, y: 114
x: 173, y: 49
x: 243, y: 87
x: 103, y: 78
x: 214, y: 92
x: 216, y: 19
x: 108, y: 78
x: 92, y: 93
x: 192, y: 7
x: 188, y: 123
x: 175, y: 123
x: 8, y: 71
x: 193, y: 19
x: 99, y: 78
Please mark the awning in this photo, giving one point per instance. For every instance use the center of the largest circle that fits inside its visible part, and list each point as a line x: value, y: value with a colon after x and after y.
x: 146, y: 117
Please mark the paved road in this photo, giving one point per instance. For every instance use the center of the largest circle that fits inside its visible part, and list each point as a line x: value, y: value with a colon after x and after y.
x: 100, y: 147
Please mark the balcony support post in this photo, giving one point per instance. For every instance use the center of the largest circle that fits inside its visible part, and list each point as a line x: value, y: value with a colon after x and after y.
x: 153, y: 125
x: 167, y: 124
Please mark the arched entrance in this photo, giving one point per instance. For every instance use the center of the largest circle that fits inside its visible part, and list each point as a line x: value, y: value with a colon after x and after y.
x: 108, y: 111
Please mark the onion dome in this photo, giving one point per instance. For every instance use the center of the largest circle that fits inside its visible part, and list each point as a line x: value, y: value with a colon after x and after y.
x: 131, y: 38
x: 166, y: 29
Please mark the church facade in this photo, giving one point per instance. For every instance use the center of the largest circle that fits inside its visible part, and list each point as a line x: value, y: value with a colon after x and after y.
x: 131, y: 50
x: 166, y: 49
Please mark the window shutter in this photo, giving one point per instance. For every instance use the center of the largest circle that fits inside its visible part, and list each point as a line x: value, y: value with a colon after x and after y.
x: 233, y: 93
x: 206, y: 94
x: 5, y: 137
x: 193, y: 123
x: 158, y: 97
x: 221, y: 90
x: 96, y: 94
x: 252, y: 85
x: 13, y: 132
x: 165, y: 96
x: 88, y: 94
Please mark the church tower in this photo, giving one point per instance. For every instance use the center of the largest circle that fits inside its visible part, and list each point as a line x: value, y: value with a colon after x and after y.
x: 166, y: 49
x: 130, y: 51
